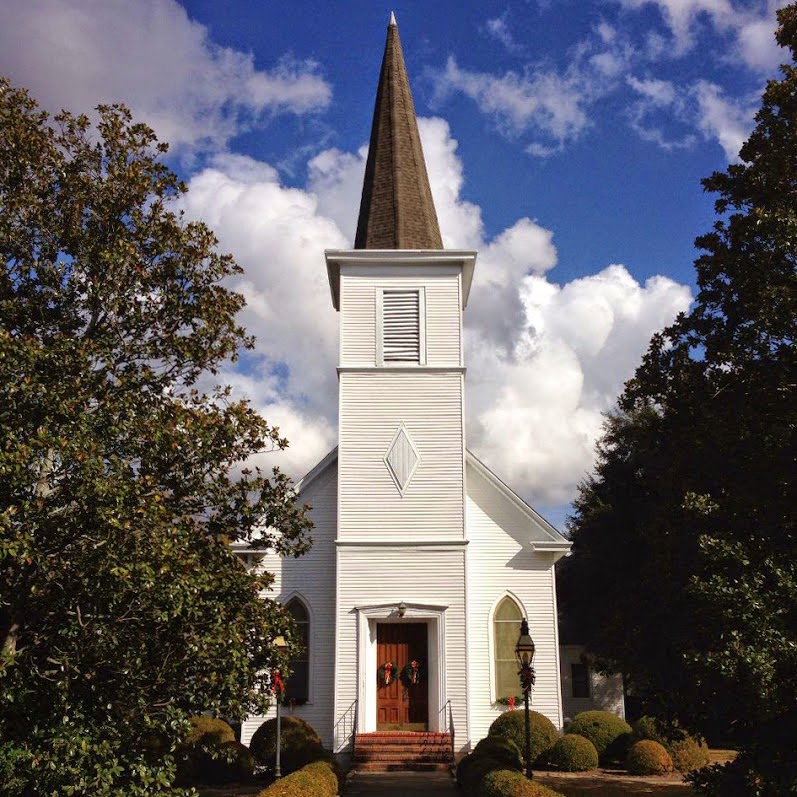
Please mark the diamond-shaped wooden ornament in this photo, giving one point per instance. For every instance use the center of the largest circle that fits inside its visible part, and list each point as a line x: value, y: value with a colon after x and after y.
x: 402, y: 459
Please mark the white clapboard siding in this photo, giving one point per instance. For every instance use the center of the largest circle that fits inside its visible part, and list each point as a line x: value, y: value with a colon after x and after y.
x: 361, y: 293
x: 500, y: 562
x: 605, y: 691
x: 389, y: 575
x: 401, y: 326
x: 312, y: 577
x: 373, y: 407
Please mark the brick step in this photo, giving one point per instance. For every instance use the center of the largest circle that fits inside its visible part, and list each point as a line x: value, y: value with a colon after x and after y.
x: 385, y: 766
x: 403, y: 745
x: 374, y: 740
x: 416, y: 757
x: 386, y: 751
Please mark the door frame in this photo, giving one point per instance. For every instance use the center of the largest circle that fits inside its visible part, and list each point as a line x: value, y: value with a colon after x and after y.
x: 367, y: 618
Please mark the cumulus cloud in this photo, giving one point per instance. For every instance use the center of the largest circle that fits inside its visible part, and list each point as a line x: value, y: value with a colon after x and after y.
x: 154, y: 58
x: 750, y: 28
x: 722, y: 118
x: 544, y: 360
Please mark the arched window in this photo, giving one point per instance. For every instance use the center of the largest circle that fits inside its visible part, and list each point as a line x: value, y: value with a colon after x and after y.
x: 297, y: 686
x: 506, y: 630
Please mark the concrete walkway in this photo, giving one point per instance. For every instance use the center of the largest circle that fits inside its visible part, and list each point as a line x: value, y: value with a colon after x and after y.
x: 400, y: 784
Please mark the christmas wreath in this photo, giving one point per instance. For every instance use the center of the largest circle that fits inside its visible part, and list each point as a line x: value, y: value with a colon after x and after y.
x: 388, y: 673
x: 413, y: 673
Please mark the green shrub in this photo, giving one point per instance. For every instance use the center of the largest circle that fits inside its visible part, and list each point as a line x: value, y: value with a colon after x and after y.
x: 573, y: 753
x: 647, y: 757
x: 314, y: 780
x: 511, y: 725
x: 208, y: 729
x: 471, y: 771
x: 232, y: 763
x: 648, y: 728
x: 210, y: 754
x: 505, y: 783
x: 610, y: 734
x: 501, y: 749
x: 299, y: 744
x: 688, y: 754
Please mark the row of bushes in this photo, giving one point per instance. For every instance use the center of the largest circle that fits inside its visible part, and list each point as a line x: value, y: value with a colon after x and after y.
x: 597, y: 737
x: 210, y: 753
x: 493, y: 769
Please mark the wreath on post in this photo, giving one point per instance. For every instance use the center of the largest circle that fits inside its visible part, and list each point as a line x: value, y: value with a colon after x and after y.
x: 413, y: 673
x: 388, y: 673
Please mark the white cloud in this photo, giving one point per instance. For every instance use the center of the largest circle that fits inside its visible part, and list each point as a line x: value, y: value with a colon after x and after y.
x: 544, y: 102
x: 538, y: 414
x: 544, y: 360
x: 151, y: 56
x: 726, y: 120
x: 500, y: 29
x: 751, y: 27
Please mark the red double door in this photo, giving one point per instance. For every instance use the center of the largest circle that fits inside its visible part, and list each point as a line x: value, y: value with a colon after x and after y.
x: 401, y: 706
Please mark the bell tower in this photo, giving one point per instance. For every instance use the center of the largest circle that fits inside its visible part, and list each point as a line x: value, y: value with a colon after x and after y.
x: 401, y: 455
x: 400, y: 543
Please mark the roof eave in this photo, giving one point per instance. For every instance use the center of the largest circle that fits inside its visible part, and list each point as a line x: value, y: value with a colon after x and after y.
x: 335, y: 258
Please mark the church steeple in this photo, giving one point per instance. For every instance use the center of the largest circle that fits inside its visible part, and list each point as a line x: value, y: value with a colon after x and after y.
x: 396, y: 210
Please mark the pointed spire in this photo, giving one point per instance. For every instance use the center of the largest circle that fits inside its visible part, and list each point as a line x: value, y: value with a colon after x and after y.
x: 396, y: 210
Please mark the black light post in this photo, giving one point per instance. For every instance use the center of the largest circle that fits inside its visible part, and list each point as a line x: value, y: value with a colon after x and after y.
x: 279, y: 691
x: 524, y: 650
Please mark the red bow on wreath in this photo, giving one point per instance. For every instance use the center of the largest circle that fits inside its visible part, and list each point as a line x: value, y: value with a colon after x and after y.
x: 279, y: 686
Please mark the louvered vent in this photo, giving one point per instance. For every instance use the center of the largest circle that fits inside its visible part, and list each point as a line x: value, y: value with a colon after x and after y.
x: 401, y: 327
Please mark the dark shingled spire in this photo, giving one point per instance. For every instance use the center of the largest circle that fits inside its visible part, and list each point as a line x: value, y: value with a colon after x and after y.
x: 396, y: 210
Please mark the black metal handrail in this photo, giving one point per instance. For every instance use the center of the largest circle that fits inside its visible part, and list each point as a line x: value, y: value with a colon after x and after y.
x: 448, y: 723
x: 346, y: 727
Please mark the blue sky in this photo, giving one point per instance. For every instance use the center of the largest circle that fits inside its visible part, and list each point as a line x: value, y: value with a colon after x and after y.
x: 565, y: 140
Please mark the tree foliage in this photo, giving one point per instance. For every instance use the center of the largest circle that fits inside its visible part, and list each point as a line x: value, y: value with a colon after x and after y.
x: 684, y: 566
x: 122, y: 480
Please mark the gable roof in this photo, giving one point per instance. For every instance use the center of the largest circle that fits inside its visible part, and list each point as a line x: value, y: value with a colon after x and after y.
x: 553, y: 541
x: 396, y: 209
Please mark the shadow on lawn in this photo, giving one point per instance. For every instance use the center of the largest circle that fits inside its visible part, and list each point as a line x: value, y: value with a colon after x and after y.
x: 607, y: 786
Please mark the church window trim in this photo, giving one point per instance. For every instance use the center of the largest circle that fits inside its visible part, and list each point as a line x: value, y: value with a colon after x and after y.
x: 401, y: 329
x: 509, y: 654
x: 307, y: 655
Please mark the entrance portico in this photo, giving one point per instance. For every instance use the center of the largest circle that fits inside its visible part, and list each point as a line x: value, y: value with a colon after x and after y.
x: 418, y: 634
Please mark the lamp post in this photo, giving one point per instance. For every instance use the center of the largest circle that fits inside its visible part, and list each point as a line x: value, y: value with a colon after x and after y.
x: 279, y: 690
x: 524, y: 651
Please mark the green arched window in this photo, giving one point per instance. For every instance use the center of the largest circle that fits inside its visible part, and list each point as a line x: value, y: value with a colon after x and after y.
x: 298, y: 685
x: 506, y: 630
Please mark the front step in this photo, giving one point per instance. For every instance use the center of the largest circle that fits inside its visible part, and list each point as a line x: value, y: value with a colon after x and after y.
x: 389, y: 752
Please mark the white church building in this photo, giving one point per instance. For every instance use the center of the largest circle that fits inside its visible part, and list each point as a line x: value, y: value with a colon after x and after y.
x: 421, y: 554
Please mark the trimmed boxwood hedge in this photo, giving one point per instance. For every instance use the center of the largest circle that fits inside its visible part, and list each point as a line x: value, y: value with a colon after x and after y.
x: 300, y: 744
x: 688, y: 754
x: 471, y: 771
x: 501, y: 749
x: 313, y: 780
x: 208, y: 729
x: 610, y: 734
x: 210, y: 754
x: 573, y: 753
x: 505, y: 783
x: 511, y: 725
x: 647, y: 757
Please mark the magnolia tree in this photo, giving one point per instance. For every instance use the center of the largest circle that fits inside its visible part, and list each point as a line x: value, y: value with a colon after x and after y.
x: 122, y: 607
x: 684, y: 565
